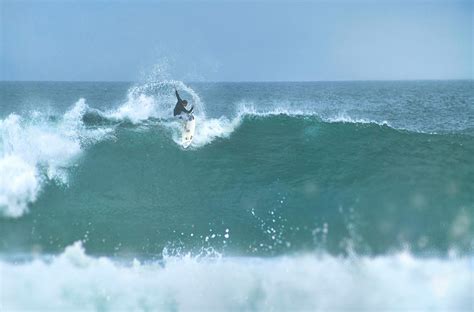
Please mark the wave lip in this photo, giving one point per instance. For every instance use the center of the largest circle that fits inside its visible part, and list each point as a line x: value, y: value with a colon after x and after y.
x: 298, y: 282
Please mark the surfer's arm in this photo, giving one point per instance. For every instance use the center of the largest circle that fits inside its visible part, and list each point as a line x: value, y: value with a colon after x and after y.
x: 177, y: 95
x: 188, y: 111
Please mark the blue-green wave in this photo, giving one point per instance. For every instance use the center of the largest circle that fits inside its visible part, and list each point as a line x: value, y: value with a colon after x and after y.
x: 276, y: 184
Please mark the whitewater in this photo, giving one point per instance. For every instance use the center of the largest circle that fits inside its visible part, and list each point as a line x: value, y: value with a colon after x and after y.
x: 397, y: 282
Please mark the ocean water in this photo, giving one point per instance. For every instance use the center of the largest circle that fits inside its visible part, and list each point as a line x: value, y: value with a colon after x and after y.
x: 293, y: 196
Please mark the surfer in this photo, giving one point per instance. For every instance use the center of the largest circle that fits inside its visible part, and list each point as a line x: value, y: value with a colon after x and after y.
x: 180, y: 109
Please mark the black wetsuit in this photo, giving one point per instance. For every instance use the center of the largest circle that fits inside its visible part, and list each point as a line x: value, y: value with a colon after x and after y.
x: 179, y: 108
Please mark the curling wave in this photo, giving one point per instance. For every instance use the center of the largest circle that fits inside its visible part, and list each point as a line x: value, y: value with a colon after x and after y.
x: 35, y: 150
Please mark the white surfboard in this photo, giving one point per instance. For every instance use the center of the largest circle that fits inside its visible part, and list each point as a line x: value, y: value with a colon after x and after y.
x: 188, y: 132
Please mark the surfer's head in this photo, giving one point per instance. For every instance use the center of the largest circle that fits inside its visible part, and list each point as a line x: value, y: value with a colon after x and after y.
x: 185, y: 102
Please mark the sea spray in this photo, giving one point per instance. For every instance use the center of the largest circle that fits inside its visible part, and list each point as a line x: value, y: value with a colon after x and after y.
x: 154, y: 99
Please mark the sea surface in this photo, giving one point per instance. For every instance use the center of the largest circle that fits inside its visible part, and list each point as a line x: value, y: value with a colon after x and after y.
x: 294, y: 196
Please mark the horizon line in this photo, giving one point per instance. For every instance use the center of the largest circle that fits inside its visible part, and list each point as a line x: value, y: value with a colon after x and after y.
x: 246, y: 81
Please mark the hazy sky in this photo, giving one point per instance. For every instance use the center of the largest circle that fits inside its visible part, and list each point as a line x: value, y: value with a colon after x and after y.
x: 236, y: 40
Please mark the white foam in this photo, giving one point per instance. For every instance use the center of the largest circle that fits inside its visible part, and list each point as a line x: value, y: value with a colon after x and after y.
x: 209, y: 129
x: 35, y: 150
x: 249, y: 109
x: 345, y: 118
x: 76, y: 281
x: 19, y: 185
x: 313, y: 110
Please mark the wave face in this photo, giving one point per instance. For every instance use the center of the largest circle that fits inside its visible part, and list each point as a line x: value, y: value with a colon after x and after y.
x: 280, y: 176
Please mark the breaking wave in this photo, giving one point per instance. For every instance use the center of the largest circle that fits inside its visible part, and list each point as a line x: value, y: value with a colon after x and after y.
x: 34, y: 150
x: 300, y: 282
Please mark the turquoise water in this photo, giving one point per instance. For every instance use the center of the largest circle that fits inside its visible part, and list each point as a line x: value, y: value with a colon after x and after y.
x: 285, y: 185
